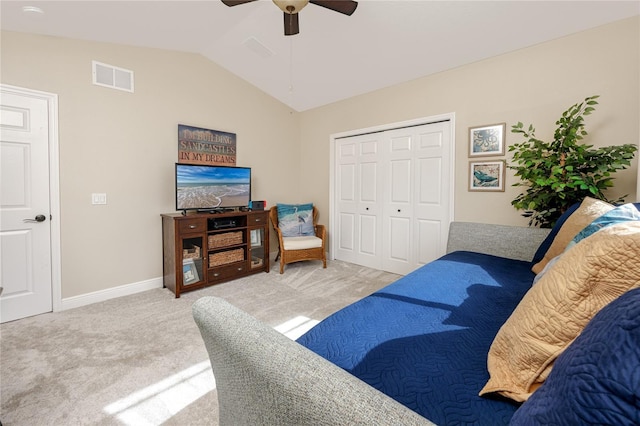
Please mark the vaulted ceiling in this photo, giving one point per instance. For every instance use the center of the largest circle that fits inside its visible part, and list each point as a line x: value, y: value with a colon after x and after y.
x: 334, y: 56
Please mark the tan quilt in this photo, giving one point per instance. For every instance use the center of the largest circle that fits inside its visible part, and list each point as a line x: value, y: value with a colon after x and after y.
x: 552, y: 314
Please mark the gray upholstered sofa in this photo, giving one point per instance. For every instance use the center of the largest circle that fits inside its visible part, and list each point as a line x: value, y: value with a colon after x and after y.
x: 513, y: 325
x: 262, y: 377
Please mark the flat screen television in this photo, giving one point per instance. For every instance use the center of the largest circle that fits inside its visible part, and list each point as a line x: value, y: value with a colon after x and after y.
x: 210, y: 188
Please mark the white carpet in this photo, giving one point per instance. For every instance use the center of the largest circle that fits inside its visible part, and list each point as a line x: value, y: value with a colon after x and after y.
x: 140, y: 360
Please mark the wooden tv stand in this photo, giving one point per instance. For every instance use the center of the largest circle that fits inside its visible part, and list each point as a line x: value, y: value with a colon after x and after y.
x: 202, y: 249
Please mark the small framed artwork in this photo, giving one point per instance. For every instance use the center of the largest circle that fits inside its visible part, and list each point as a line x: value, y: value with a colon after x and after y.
x: 189, y: 272
x: 256, y: 237
x: 486, y: 175
x: 486, y: 140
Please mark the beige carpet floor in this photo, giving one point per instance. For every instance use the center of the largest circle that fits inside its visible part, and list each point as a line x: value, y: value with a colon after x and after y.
x: 140, y: 360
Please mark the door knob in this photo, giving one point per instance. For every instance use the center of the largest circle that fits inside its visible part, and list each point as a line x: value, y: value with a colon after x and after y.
x: 39, y: 218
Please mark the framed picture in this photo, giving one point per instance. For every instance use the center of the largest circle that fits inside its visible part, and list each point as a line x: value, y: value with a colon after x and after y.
x: 486, y: 140
x: 256, y: 237
x: 486, y: 175
x: 189, y: 272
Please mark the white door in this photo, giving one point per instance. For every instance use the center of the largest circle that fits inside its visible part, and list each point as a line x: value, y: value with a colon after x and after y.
x: 432, y: 191
x: 25, y: 231
x: 399, y: 182
x: 358, y: 199
x: 397, y: 213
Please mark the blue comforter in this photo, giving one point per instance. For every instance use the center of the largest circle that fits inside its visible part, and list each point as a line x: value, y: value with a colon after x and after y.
x: 423, y: 340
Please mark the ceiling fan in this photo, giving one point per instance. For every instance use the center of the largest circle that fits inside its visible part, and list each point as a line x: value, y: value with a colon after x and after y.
x: 292, y: 7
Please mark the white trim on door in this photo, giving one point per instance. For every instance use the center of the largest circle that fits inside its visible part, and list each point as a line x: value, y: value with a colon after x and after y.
x: 381, y: 128
x: 54, y: 185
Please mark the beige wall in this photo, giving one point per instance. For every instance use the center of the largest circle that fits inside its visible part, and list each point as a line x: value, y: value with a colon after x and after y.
x: 125, y: 144
x: 533, y: 85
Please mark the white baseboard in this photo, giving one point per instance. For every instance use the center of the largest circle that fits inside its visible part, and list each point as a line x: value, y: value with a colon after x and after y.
x: 110, y: 293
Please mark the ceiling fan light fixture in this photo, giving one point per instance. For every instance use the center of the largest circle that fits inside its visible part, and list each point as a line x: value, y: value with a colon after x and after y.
x: 291, y: 6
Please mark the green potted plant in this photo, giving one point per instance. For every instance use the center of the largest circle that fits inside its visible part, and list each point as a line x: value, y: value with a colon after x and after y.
x: 559, y: 173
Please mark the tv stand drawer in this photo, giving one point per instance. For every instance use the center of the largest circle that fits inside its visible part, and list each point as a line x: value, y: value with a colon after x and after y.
x: 228, y: 271
x: 257, y: 219
x: 192, y: 225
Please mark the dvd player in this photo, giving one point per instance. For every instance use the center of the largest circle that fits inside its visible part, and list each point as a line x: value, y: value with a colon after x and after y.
x: 224, y: 223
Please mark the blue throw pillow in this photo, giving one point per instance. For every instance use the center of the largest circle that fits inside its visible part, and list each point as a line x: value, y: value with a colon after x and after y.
x: 624, y: 213
x: 544, y: 247
x: 596, y: 380
x: 295, y: 220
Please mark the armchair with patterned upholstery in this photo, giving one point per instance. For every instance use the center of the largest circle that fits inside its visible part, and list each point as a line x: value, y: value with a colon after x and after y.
x: 298, y: 245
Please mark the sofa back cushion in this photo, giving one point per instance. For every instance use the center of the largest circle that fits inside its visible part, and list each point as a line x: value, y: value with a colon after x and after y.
x: 546, y: 244
x: 623, y: 213
x: 544, y: 247
x: 589, y: 210
x: 595, y: 381
x: 553, y: 313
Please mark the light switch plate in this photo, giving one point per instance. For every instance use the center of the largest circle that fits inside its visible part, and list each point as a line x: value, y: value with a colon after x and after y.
x: 98, y: 198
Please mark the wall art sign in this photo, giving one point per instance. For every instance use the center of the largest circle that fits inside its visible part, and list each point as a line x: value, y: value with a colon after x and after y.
x: 486, y: 140
x: 486, y: 175
x: 205, y: 146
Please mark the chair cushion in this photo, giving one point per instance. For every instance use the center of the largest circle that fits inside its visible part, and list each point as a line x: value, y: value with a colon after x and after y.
x: 301, y: 243
x: 295, y: 220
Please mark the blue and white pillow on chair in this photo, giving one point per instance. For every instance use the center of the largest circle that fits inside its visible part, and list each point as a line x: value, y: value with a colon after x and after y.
x: 296, y: 220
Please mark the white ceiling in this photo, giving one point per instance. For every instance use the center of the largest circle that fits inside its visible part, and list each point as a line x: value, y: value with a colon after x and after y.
x: 335, y: 56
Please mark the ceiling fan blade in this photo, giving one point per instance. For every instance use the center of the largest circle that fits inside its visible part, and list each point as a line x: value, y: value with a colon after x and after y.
x: 291, y: 26
x: 236, y: 2
x: 346, y: 7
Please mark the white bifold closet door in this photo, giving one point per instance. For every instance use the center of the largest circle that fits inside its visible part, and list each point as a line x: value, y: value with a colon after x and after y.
x: 393, y: 196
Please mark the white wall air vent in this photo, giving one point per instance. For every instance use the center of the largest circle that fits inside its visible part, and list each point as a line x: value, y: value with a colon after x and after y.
x: 110, y: 76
